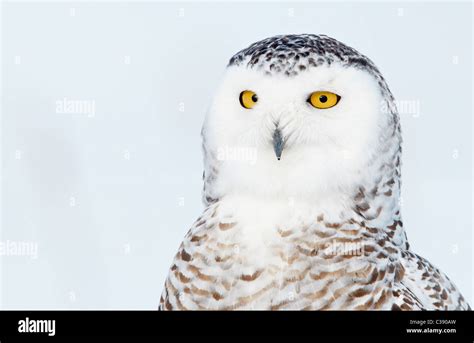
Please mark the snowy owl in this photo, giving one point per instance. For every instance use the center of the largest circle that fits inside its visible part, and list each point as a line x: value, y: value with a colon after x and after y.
x: 302, y: 149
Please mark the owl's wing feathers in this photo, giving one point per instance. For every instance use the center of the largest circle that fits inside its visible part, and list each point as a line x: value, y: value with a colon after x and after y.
x: 186, y: 288
x: 425, y: 287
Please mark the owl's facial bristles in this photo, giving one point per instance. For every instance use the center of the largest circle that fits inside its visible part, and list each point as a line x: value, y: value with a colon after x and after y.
x: 278, y: 143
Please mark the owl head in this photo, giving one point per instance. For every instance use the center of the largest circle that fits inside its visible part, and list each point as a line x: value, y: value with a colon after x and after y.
x: 297, y: 116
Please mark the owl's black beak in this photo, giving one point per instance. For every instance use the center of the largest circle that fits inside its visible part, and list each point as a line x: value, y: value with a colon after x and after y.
x: 278, y: 143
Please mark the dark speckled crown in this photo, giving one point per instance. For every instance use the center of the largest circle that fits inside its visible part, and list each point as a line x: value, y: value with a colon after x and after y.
x: 291, y: 54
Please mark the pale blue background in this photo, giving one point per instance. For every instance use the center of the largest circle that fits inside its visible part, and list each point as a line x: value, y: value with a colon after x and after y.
x: 114, y: 247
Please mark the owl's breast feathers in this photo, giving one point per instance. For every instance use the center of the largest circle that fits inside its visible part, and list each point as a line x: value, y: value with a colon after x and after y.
x: 317, y: 265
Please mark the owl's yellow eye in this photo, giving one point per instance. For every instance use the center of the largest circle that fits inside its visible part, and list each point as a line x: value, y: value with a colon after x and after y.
x: 323, y: 99
x: 248, y: 99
